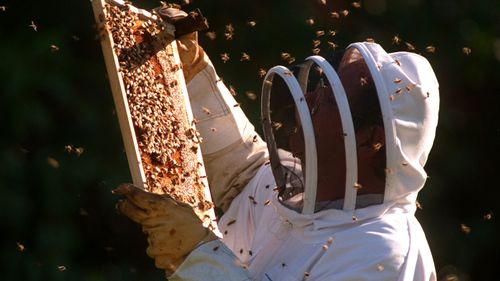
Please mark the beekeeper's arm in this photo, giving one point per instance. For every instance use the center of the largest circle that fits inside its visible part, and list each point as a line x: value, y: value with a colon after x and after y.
x: 232, y: 150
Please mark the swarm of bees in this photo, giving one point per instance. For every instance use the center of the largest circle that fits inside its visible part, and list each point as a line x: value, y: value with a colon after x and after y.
x: 167, y: 142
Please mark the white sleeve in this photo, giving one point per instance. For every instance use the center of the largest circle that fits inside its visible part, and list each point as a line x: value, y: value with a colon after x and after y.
x: 232, y: 150
x: 211, y: 261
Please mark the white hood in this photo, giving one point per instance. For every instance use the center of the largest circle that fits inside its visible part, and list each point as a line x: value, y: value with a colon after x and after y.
x: 408, y: 95
x: 409, y: 98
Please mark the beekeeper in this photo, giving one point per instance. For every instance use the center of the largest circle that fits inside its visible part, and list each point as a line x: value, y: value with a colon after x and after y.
x: 338, y: 205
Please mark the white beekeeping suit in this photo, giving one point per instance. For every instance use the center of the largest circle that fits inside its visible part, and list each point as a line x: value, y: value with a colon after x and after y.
x: 266, y: 239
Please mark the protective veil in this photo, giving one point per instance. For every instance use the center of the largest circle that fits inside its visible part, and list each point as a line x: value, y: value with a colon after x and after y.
x: 380, y: 241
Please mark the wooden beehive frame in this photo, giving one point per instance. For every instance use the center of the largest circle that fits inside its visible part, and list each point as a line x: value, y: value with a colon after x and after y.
x: 202, y: 204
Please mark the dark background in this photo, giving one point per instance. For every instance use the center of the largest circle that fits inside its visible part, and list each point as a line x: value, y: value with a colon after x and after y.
x: 57, y: 215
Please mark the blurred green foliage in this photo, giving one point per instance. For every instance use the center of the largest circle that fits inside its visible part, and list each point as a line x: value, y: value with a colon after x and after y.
x: 56, y: 211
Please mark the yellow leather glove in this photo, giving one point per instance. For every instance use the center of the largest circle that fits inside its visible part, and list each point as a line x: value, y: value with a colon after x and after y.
x: 173, y: 229
x: 192, y: 55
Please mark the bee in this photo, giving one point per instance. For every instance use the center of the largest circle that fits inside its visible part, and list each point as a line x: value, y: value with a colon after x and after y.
x: 224, y: 57
x: 213, y: 129
x: 211, y: 35
x: 357, y: 186
x: 306, y: 274
x: 419, y: 206
x: 380, y: 267
x: 345, y: 13
x: 322, y: 2
x: 79, y: 151
x: 332, y: 32
x: 68, y: 148
x: 250, y: 252
x: 356, y: 4
x: 404, y: 163
x: 465, y: 229
x: 251, y: 23
x: 396, y: 40
x: 334, y: 15
x: 430, y: 49
x: 370, y: 40
x: 244, y: 57
x: 397, y: 81
x: 320, y: 33
x: 262, y: 72
x: 231, y: 222
x: 409, y: 46
x: 316, y: 43
x: 377, y: 146
x: 354, y: 218
x: 33, y: 25
x: 363, y: 81
x: 397, y: 62
x: 267, y: 203
x: 252, y: 199
x: 215, y: 248
x: 277, y: 125
x: 20, y: 247
x: 3, y: 8
x: 285, y: 56
x: 310, y: 21
x: 332, y: 45
x: 241, y: 251
x: 53, y: 162
x: 236, y: 105
x: 288, y: 73
x: 255, y: 138
x: 466, y: 50
x: 61, y: 268
x: 316, y: 51
x: 488, y: 216
x: 206, y: 110
x: 54, y: 48
x: 251, y: 95
x: 229, y: 31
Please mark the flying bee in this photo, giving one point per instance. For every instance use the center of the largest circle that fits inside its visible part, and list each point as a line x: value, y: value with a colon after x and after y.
x: 244, y: 57
x: 320, y: 33
x: 224, y: 57
x: 430, y: 49
x: 345, y: 13
x: 33, y: 25
x: 332, y: 45
x: 20, y: 247
x: 310, y: 21
x: 357, y: 186
x: 363, y: 81
x: 409, y: 46
x: 332, y: 32
x: 370, y: 40
x: 231, y: 222
x: 54, y: 48
x: 3, y: 8
x: 251, y: 95
x: 316, y: 51
x: 396, y: 40
x: 465, y: 229
x: 356, y: 4
x: 466, y: 50
x: 262, y: 72
x: 316, y: 43
x: 322, y: 2
x: 397, y: 81
x: 251, y: 23
x: 211, y: 35
x: 334, y: 15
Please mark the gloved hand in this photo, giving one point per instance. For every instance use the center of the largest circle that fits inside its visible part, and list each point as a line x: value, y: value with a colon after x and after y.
x: 172, y: 227
x: 192, y: 55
